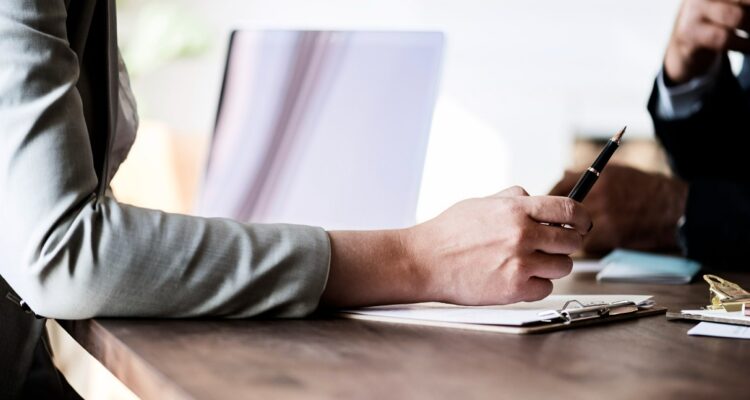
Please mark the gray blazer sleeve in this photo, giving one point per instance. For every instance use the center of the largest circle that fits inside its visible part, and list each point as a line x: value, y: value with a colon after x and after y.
x: 71, y: 254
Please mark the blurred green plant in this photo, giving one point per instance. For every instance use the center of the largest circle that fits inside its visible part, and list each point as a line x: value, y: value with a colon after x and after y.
x: 154, y: 33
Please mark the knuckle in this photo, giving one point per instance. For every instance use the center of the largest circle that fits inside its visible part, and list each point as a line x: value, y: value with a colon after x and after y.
x: 693, y: 13
x: 516, y: 208
x: 684, y: 25
x: 568, y: 208
x: 517, y: 191
x: 718, y: 38
x: 732, y: 16
x: 507, y: 208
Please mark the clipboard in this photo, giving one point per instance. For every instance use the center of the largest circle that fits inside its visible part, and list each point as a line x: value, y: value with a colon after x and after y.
x: 573, y: 315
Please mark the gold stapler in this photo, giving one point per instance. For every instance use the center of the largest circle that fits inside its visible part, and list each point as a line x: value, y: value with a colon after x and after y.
x: 726, y: 295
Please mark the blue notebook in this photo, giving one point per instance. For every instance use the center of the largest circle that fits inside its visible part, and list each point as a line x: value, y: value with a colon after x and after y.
x: 639, y: 267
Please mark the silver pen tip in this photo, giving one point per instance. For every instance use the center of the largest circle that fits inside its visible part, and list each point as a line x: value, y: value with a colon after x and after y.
x: 618, y: 135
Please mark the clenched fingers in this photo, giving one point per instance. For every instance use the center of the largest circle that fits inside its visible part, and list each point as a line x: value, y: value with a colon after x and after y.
x: 728, y: 15
x: 554, y: 239
x: 559, y: 210
x: 548, y: 266
x: 536, y: 289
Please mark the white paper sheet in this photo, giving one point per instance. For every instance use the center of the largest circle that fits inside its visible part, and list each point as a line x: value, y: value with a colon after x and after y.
x: 720, y: 330
x: 512, y: 315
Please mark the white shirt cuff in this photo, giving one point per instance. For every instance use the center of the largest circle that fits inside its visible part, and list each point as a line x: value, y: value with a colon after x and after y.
x: 684, y: 100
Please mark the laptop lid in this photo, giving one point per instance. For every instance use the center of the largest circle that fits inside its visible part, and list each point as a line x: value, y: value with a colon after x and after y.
x: 323, y: 128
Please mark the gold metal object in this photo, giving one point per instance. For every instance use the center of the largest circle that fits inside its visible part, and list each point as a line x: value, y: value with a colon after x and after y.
x: 726, y: 295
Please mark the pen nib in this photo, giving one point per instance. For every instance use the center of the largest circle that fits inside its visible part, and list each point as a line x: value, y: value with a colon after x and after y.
x: 618, y: 135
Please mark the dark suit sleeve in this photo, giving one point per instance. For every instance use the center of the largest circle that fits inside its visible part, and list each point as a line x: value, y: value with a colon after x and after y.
x: 710, y: 150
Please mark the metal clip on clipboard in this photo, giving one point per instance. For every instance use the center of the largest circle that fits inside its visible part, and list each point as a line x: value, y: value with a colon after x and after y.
x: 574, y: 310
x: 726, y: 295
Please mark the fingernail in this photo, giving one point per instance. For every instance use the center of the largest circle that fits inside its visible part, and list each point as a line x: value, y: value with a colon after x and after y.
x: 590, y: 227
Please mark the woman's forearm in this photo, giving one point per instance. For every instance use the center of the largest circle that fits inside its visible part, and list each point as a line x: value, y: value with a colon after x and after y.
x: 372, y: 267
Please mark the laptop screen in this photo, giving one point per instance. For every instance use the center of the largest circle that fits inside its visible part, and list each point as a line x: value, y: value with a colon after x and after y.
x: 323, y: 128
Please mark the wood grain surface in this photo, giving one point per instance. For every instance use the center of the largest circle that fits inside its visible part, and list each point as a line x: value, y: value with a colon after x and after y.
x: 322, y: 357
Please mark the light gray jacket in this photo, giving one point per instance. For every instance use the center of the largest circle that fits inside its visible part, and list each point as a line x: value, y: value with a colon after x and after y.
x: 70, y: 251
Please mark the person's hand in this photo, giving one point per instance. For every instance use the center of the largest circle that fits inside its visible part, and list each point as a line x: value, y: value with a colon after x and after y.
x: 495, y: 250
x: 630, y: 209
x: 704, y: 30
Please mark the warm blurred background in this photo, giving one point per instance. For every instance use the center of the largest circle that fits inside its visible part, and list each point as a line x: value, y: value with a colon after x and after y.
x: 529, y: 88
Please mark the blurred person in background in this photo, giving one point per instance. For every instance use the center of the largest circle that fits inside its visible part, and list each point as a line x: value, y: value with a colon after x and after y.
x: 701, y: 114
x: 71, y: 251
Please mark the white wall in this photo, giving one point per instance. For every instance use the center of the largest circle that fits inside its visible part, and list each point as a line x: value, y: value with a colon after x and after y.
x: 521, y: 77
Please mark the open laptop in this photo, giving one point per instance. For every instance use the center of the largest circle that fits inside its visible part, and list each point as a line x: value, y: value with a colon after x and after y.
x: 323, y: 128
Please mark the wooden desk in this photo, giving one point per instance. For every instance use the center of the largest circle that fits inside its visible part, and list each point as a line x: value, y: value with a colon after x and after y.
x: 648, y: 358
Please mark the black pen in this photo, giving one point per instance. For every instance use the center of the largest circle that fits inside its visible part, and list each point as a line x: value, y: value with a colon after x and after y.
x: 589, y: 177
